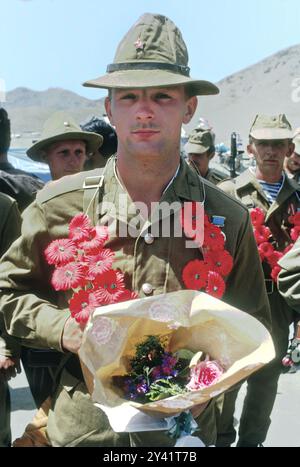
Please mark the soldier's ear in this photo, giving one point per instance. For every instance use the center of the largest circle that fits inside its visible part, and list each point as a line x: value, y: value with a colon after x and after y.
x: 250, y: 150
x: 291, y: 149
x: 107, y: 104
x: 191, y: 106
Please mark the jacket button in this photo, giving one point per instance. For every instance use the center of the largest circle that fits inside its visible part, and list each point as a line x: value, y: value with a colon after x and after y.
x: 149, y: 239
x: 147, y: 288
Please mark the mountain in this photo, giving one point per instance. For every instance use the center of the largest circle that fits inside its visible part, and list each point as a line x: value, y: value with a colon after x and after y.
x: 270, y: 86
x: 29, y: 109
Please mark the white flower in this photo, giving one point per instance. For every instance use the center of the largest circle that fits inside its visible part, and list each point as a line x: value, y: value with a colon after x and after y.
x: 102, y: 330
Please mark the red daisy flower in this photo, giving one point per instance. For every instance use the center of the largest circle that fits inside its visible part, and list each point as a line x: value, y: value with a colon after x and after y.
x: 274, y: 258
x: 192, y: 218
x: 257, y: 216
x: 274, y: 274
x: 95, y: 240
x: 295, y: 232
x: 215, y: 285
x: 82, y: 304
x: 69, y: 276
x: 109, y: 286
x: 195, y: 274
x: 99, y: 263
x: 261, y: 234
x: 219, y: 261
x: 213, y: 238
x: 265, y: 250
x: 60, y: 251
x: 80, y: 227
x: 295, y: 219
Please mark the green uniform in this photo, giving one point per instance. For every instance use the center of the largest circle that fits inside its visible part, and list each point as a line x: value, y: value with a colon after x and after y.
x: 36, y: 314
x: 213, y: 176
x: 262, y: 386
x: 10, y: 227
x: 289, y: 277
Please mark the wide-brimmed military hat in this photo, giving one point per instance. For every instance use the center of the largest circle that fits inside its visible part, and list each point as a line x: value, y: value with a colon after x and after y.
x: 199, y: 141
x: 62, y: 127
x: 296, y: 142
x: 271, y: 127
x: 152, y: 54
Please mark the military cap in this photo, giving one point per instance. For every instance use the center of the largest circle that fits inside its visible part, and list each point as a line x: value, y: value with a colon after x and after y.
x: 199, y: 141
x: 296, y: 142
x: 151, y: 54
x: 61, y: 127
x: 271, y: 127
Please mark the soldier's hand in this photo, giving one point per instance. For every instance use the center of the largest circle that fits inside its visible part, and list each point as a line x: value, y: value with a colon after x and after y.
x: 9, y: 367
x: 72, y: 335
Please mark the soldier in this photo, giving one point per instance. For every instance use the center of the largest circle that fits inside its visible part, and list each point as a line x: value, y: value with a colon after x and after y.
x: 20, y: 185
x: 289, y: 277
x: 10, y: 228
x: 200, y: 149
x: 150, y: 96
x: 64, y: 146
x: 292, y: 163
x: 268, y: 188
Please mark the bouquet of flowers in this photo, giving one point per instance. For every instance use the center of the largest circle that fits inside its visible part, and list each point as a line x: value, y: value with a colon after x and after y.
x: 135, y: 352
x: 157, y: 373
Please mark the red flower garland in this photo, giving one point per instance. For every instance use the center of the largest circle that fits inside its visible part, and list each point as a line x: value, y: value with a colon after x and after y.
x: 207, y: 274
x: 84, y: 266
x: 264, y: 240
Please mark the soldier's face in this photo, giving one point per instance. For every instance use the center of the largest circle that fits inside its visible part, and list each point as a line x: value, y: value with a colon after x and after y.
x: 148, y: 121
x: 201, y: 161
x: 66, y: 158
x: 293, y: 162
x: 270, y: 154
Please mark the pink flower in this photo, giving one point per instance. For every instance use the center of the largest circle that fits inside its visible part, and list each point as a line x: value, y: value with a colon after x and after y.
x: 257, y: 216
x: 274, y: 258
x: 262, y: 234
x: 69, y: 276
x: 204, y: 374
x: 265, y: 250
x: 295, y: 232
x: 275, y: 271
x: 80, y: 227
x: 109, y: 286
x: 213, y: 238
x: 127, y: 295
x: 219, y: 261
x: 82, y: 304
x: 99, y: 263
x: 215, y: 285
x: 194, y: 275
x: 94, y: 241
x: 295, y: 219
x: 60, y: 251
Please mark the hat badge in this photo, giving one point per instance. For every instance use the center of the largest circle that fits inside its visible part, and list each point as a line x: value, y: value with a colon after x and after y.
x: 139, y: 45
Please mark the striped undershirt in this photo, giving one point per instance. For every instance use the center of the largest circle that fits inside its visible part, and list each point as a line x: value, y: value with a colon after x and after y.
x: 272, y: 189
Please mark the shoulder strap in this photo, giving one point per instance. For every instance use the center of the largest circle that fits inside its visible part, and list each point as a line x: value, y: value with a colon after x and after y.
x: 92, y: 186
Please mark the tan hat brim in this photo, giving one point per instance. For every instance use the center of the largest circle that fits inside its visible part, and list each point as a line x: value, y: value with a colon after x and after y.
x: 93, y: 141
x: 297, y: 146
x: 272, y: 133
x: 131, y: 79
x: 191, y: 148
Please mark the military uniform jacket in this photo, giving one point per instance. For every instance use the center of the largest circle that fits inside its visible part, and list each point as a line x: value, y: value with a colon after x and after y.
x: 248, y: 190
x: 36, y: 314
x: 289, y: 277
x: 10, y: 229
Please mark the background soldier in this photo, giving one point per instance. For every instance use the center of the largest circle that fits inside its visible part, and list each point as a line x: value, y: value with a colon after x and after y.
x: 150, y: 96
x: 64, y: 146
x: 268, y: 188
x: 292, y: 163
x: 10, y: 228
x: 20, y: 185
x: 200, y: 149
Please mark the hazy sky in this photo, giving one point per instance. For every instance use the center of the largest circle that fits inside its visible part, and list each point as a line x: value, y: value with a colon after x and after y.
x: 61, y: 43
